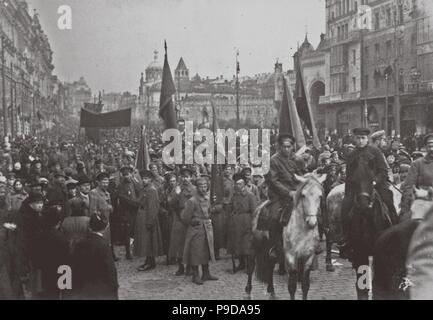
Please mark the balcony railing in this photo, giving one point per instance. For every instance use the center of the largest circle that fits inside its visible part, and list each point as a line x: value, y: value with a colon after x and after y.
x: 353, y: 36
x: 340, y: 97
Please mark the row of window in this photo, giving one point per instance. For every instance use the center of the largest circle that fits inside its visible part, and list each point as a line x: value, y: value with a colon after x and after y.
x: 389, y: 50
x: 343, y: 7
x: 391, y: 17
x: 425, y: 29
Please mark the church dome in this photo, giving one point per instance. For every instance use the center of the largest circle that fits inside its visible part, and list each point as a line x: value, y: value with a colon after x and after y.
x: 155, y: 64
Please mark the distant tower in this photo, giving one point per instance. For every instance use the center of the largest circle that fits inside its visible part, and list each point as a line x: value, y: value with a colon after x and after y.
x: 278, y: 73
x: 182, y: 72
x: 141, y: 88
x: 181, y: 78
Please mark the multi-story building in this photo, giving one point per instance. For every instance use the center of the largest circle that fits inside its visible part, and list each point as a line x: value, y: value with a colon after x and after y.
x: 78, y: 93
x: 380, y: 71
x: 27, y: 67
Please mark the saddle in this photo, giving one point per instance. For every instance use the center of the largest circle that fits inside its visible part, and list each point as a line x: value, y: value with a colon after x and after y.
x: 265, y: 216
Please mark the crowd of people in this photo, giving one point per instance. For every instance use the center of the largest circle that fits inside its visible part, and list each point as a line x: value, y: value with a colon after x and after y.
x: 67, y: 202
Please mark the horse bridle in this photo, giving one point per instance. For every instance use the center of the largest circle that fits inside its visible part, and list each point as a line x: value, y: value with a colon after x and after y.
x: 368, y: 196
x: 306, y: 216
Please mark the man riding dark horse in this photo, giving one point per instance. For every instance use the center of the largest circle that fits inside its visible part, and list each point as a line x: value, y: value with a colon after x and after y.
x: 372, y: 160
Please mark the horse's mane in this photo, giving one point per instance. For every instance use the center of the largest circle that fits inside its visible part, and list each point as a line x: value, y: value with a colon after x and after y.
x: 309, y: 178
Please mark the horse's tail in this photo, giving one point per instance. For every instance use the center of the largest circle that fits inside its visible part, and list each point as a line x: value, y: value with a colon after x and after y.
x: 261, y: 249
x: 261, y: 246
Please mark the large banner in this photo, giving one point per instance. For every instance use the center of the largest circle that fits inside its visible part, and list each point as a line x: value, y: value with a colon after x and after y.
x: 115, y: 119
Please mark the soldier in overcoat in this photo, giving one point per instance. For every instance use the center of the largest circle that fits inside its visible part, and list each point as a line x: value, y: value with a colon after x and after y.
x: 178, y: 230
x: 147, y: 236
x: 199, y: 247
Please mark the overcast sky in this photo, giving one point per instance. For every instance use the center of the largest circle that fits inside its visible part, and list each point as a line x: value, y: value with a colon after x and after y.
x: 112, y: 41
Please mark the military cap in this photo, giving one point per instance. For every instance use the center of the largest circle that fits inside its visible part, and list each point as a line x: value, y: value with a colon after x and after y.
x: 11, y: 175
x: 98, y: 222
x: 102, y: 176
x: 71, y: 184
x: 43, y: 181
x: 125, y: 169
x: 35, y: 197
x: 427, y: 138
x: 206, y: 176
x: 361, y: 131
x: 146, y: 174
x: 59, y: 174
x: 378, y: 134
x: 283, y: 136
x: 169, y: 175
x: 184, y: 170
x: 244, y: 170
x: 417, y: 154
x: 238, y: 176
x: 98, y: 161
x: 68, y: 172
x: 82, y: 179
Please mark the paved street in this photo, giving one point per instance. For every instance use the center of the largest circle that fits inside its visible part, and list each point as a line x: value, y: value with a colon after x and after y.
x: 161, y: 284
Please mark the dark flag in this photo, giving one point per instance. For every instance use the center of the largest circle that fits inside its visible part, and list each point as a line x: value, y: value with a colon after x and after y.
x: 115, y: 119
x: 289, y: 118
x: 166, y: 106
x: 93, y: 134
x: 302, y: 106
x: 217, y: 187
x: 143, y: 157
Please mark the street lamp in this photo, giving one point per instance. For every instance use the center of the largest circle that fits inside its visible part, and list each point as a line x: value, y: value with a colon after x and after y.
x: 387, y: 74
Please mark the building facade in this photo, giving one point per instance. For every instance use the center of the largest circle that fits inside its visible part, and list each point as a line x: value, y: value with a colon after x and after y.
x: 379, y: 66
x: 30, y: 92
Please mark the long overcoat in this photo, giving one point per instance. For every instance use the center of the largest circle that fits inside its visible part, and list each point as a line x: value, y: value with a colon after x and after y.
x: 199, y: 246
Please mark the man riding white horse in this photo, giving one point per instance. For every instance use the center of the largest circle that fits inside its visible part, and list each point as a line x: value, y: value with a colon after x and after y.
x: 281, y: 186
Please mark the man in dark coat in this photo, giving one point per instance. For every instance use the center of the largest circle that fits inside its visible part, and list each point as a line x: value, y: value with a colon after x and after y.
x: 243, y: 205
x: 94, y: 274
x: 178, y: 230
x: 57, y: 192
x: 147, y: 235
x: 53, y: 252
x: 375, y: 160
x: 29, y: 230
x: 128, y: 194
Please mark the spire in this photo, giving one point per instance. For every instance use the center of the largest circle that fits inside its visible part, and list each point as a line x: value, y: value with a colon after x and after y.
x: 306, y: 38
x: 181, y: 65
x: 155, y: 55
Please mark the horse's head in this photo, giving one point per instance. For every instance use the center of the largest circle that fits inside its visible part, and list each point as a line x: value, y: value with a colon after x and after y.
x: 308, y: 196
x: 364, y: 187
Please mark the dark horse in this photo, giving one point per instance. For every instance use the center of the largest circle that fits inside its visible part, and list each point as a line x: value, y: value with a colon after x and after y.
x: 368, y: 218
